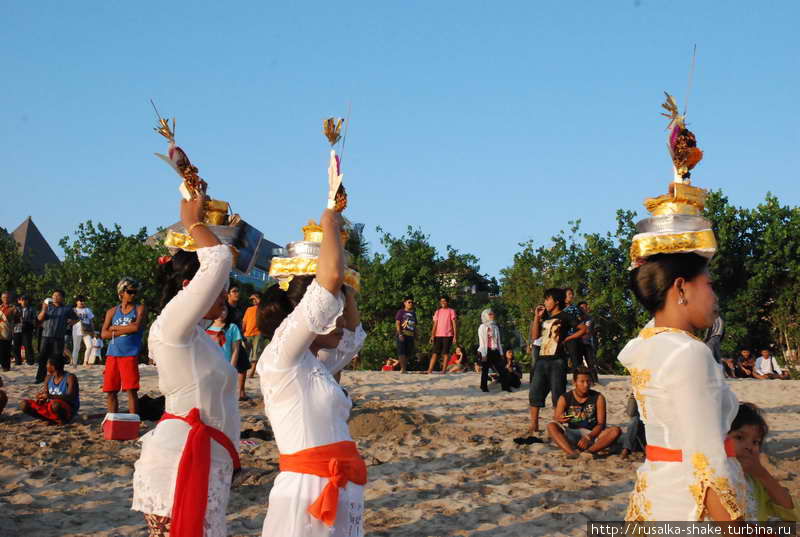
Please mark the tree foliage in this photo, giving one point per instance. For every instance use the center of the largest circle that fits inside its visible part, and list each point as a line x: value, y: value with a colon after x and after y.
x: 756, y: 273
x: 595, y: 266
x: 412, y: 266
x: 14, y: 270
x: 95, y: 259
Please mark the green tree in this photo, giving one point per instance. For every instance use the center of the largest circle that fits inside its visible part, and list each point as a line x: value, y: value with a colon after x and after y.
x: 95, y: 259
x: 595, y: 266
x: 757, y: 273
x: 14, y: 270
x: 412, y: 266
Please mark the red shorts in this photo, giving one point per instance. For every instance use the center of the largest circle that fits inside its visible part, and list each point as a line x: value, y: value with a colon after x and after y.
x: 45, y: 410
x: 121, y: 373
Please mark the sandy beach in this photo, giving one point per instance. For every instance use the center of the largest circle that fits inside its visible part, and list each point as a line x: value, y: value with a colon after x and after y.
x: 440, y: 455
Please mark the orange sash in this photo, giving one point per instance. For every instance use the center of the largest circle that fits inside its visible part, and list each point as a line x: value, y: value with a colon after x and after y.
x: 340, y: 462
x: 662, y: 454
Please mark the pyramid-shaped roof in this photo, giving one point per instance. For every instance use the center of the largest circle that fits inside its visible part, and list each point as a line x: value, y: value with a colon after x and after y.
x: 33, y: 246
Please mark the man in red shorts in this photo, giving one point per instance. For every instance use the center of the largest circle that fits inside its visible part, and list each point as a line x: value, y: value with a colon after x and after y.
x: 123, y: 325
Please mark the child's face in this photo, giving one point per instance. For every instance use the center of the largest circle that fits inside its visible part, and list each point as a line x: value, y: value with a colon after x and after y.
x: 746, y: 441
x: 549, y: 303
x: 583, y: 384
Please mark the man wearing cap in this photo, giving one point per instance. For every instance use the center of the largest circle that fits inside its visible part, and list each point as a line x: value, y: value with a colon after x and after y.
x: 123, y: 325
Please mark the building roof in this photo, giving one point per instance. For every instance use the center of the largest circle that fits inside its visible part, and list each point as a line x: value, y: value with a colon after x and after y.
x: 33, y: 246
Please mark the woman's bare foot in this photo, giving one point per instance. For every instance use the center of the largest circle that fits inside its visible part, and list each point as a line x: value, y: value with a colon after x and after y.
x: 624, y: 453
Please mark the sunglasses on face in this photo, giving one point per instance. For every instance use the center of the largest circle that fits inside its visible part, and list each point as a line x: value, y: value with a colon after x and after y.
x: 131, y: 291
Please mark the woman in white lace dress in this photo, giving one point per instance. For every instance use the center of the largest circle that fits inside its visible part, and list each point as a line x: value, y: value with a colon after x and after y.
x: 320, y: 490
x: 182, y: 478
x: 687, y: 408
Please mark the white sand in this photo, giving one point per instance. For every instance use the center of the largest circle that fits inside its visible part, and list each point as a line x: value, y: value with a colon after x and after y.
x: 440, y: 455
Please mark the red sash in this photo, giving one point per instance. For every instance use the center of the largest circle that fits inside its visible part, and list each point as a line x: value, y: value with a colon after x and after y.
x: 191, y: 488
x: 662, y: 454
x: 340, y: 462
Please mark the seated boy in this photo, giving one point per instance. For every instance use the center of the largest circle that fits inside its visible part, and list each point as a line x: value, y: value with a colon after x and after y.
x: 59, y: 400
x: 580, y: 418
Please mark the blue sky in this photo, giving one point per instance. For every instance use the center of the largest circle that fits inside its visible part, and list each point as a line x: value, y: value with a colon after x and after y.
x: 484, y: 123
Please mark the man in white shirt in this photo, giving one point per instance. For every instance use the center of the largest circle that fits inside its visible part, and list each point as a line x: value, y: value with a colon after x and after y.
x: 767, y: 368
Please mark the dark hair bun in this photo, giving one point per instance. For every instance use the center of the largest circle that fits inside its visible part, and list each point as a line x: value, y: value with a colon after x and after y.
x: 276, y: 304
x: 171, y: 275
x: 651, y: 281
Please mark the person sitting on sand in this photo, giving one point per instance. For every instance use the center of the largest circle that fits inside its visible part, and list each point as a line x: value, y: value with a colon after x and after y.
x: 3, y: 397
x: 767, y: 368
x: 748, y: 431
x: 580, y: 418
x: 458, y: 361
x: 59, y: 400
x: 633, y: 439
x: 390, y: 364
x: 511, y: 365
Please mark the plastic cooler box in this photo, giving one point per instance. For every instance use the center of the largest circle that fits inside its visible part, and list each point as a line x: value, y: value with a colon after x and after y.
x: 121, y: 426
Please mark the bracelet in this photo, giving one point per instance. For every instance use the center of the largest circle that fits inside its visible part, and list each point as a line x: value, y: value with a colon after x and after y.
x: 195, y: 225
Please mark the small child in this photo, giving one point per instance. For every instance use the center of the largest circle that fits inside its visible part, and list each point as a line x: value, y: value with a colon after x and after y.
x: 580, y: 418
x: 96, y: 356
x: 390, y: 364
x: 748, y: 431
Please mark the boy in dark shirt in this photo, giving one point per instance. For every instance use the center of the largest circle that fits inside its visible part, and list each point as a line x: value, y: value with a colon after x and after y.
x: 580, y: 418
x: 550, y: 369
x: 405, y: 321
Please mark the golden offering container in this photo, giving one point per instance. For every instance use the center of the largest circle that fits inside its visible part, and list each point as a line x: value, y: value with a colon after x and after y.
x: 312, y: 232
x: 216, y: 212
x: 682, y: 199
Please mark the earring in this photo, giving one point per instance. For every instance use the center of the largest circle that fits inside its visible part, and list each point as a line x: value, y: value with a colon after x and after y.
x: 681, y: 300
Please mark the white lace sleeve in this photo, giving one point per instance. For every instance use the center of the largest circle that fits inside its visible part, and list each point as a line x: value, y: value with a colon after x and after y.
x: 316, y: 314
x: 336, y: 359
x: 320, y: 308
x: 179, y: 317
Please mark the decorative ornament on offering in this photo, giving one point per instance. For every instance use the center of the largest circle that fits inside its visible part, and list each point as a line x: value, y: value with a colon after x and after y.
x: 302, y: 256
x: 337, y: 195
x: 229, y: 228
x: 681, y: 142
x: 676, y: 224
x: 192, y: 185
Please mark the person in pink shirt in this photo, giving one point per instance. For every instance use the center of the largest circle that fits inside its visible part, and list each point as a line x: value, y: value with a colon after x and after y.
x: 443, y: 334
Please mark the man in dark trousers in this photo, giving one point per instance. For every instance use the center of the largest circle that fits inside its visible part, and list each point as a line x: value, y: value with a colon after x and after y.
x: 56, y: 318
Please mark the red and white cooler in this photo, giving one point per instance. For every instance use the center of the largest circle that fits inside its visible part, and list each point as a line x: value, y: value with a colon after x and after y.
x: 118, y: 426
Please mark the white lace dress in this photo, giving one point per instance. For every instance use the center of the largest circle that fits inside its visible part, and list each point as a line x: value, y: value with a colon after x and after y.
x: 685, y: 405
x: 192, y: 373
x: 307, y: 409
